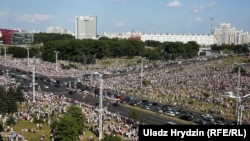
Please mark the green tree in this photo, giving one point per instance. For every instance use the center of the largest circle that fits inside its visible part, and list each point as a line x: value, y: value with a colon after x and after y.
x: 1, y: 126
x: 45, y: 37
x: 66, y: 129
x: 3, y: 101
x: 152, y: 43
x: 77, y: 114
x: 53, y: 124
x: 112, y: 137
x: 1, y: 130
x: 192, y: 49
x: 19, y: 95
x: 8, y: 101
x: 11, y: 121
x: 153, y: 54
x: 1, y: 138
x: 17, y: 52
x: 11, y: 101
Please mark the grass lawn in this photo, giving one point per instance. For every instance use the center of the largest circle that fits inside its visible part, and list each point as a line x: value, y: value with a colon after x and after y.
x: 21, y: 124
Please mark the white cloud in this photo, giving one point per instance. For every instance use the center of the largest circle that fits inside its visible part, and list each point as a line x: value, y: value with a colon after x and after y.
x: 211, y: 4
x: 198, y: 9
x: 4, y: 15
x: 197, y: 19
x: 119, y: 24
x: 174, y: 4
x: 121, y: 1
x: 33, y: 18
x: 201, y: 8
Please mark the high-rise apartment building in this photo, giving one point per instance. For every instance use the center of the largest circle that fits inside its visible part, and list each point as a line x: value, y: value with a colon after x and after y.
x: 85, y: 27
x: 226, y: 34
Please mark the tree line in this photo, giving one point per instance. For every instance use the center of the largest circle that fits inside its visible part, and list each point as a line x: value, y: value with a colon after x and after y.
x: 235, y: 48
x: 86, y: 51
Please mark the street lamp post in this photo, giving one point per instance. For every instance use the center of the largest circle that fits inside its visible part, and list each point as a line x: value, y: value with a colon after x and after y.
x: 239, y: 106
x: 6, y: 80
x: 5, y: 53
x: 238, y: 86
x: 100, y: 104
x: 33, y: 83
x: 141, y: 70
x: 56, y: 60
x: 28, y: 51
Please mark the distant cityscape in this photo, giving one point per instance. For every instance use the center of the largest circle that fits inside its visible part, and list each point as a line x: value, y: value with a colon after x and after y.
x: 224, y: 34
x: 86, y: 28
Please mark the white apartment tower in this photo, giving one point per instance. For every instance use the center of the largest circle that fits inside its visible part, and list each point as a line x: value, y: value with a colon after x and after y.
x: 226, y: 34
x: 85, y: 27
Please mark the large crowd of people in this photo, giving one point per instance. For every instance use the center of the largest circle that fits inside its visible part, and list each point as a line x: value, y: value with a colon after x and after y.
x: 55, y: 70
x: 200, y: 87
x: 47, y: 105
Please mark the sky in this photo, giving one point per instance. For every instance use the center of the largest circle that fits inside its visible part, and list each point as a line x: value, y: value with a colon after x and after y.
x: 121, y: 16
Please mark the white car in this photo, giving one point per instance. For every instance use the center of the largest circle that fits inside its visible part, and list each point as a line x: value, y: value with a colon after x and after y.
x: 206, y: 116
x: 170, y: 113
x: 45, y: 86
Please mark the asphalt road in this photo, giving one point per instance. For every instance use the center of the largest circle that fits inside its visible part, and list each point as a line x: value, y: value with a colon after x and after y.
x: 123, y: 109
x: 149, y: 116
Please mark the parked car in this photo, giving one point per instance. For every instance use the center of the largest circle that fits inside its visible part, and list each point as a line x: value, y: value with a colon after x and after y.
x: 147, y: 107
x: 187, y: 117
x: 200, y: 121
x: 158, y: 109
x: 144, y: 101
x: 127, y: 99
x: 176, y: 111
x: 134, y: 102
x: 147, y: 104
x: 208, y: 117
x: 170, y: 113
x: 155, y: 104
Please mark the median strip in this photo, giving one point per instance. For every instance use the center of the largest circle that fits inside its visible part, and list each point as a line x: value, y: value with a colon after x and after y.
x: 180, y: 121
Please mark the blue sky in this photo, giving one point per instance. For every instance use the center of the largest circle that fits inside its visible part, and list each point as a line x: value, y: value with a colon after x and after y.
x: 147, y: 16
